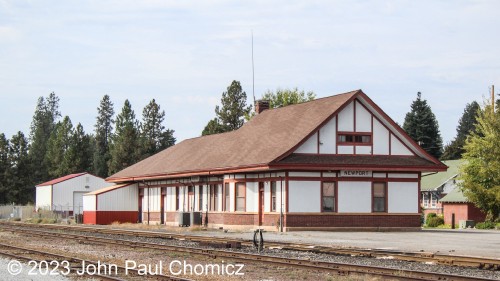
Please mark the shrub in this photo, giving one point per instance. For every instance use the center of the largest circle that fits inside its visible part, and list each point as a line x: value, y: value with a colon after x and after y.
x: 485, y: 225
x: 431, y: 215
x: 434, y: 221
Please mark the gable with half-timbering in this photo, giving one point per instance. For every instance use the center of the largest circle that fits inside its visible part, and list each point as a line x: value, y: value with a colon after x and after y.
x: 358, y: 129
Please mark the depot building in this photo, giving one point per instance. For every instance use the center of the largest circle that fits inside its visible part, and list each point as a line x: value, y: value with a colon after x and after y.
x: 333, y: 163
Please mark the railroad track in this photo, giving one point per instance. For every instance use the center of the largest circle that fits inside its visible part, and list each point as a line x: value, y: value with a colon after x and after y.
x: 50, y: 264
x: 424, y: 257
x: 334, y: 268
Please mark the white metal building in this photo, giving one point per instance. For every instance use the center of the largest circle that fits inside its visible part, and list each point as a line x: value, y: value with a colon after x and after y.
x: 116, y: 203
x: 66, y: 193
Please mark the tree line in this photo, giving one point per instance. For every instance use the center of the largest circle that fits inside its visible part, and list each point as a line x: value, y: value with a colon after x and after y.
x: 55, y: 147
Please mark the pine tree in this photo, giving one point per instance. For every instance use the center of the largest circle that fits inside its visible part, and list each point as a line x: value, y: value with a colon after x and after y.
x: 466, y: 125
x: 231, y: 115
x: 103, y: 133
x: 421, y: 125
x: 21, y: 190
x: 59, y: 143
x: 480, y: 173
x: 125, y: 149
x: 154, y: 137
x: 44, y: 120
x: 4, y: 167
x: 78, y: 157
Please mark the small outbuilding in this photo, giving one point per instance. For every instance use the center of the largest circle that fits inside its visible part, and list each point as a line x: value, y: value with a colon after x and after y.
x: 457, y: 203
x: 65, y: 194
x: 117, y: 203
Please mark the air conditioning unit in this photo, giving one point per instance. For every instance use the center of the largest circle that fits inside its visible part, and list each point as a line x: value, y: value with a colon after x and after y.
x: 195, y: 218
x: 184, y: 219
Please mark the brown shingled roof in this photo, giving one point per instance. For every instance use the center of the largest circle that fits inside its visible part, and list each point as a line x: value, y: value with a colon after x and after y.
x: 258, y: 142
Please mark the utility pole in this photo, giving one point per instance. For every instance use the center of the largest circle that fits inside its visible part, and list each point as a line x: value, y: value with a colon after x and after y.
x: 493, y: 97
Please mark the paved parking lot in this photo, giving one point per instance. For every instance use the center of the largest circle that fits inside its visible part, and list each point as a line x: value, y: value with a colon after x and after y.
x: 471, y: 242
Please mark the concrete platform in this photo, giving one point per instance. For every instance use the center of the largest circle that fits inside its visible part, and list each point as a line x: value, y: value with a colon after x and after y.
x: 471, y: 242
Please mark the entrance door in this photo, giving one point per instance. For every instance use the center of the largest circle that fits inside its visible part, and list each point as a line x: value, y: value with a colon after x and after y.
x: 261, y: 203
x: 78, y: 202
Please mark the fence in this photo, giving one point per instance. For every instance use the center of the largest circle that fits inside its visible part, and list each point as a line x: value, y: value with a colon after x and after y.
x: 12, y: 211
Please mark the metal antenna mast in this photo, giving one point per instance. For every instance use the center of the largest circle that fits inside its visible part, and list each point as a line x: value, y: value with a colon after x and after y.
x: 253, y: 74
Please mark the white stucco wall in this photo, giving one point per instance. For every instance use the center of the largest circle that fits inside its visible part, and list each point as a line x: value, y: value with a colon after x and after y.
x: 309, y: 146
x: 252, y: 197
x: 327, y: 137
x: 380, y: 138
x: 346, y: 119
x: 398, y: 148
x: 354, y: 197
x: 363, y: 119
x: 304, y: 196
x: 364, y: 149
x: 402, y: 197
x: 345, y: 149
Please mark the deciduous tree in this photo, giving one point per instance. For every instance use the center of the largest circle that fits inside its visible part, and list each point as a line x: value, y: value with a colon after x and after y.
x: 480, y: 174
x: 422, y: 126
x: 284, y: 97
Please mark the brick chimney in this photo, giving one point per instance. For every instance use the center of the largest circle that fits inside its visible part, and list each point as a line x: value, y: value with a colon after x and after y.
x: 261, y: 105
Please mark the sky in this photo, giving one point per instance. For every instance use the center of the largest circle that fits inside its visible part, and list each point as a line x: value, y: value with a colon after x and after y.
x: 185, y: 54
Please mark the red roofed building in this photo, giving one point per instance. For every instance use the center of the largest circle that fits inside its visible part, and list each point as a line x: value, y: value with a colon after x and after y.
x: 66, y: 193
x: 333, y: 163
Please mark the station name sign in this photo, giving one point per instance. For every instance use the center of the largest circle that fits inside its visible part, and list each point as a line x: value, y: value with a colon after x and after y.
x: 355, y: 173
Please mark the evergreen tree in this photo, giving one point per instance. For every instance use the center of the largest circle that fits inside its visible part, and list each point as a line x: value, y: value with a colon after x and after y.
x: 466, y: 125
x: 44, y: 120
x: 231, y: 115
x: 4, y: 167
x: 21, y: 190
x: 284, y: 97
x: 480, y: 174
x: 103, y: 133
x: 154, y: 137
x: 421, y: 125
x: 59, y: 143
x: 125, y: 149
x: 78, y: 157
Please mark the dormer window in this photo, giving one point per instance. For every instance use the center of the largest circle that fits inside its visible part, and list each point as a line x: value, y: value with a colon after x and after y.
x: 355, y: 138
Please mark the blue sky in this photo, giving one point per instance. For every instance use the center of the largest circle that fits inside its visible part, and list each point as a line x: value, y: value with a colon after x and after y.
x: 185, y: 53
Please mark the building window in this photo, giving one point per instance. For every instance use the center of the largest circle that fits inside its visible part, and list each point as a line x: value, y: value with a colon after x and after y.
x: 328, y: 197
x: 433, y: 200
x: 200, y: 198
x: 227, y: 199
x: 177, y: 198
x: 240, y: 196
x: 273, y: 196
x: 214, y: 202
x: 355, y: 138
x: 425, y: 200
x: 379, y: 196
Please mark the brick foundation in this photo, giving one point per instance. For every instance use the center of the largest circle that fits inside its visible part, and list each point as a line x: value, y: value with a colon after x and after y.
x: 371, y: 221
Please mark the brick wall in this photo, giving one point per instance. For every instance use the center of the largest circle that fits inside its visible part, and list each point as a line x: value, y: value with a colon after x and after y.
x: 339, y: 220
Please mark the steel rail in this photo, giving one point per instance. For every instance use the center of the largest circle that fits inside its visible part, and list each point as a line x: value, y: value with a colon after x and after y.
x: 425, y: 257
x: 338, y: 268
x: 78, y: 262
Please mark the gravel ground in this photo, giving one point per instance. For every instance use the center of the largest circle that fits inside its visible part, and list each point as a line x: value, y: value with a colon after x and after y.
x: 23, y: 276
x: 494, y: 275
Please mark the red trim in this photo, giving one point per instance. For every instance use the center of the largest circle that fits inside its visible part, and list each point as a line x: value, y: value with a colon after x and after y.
x: 384, y: 168
x: 354, y: 117
x: 61, y: 179
x: 419, y: 193
x: 318, y: 143
x: 336, y: 134
x: 371, y: 151
x: 335, y: 113
x: 286, y: 190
